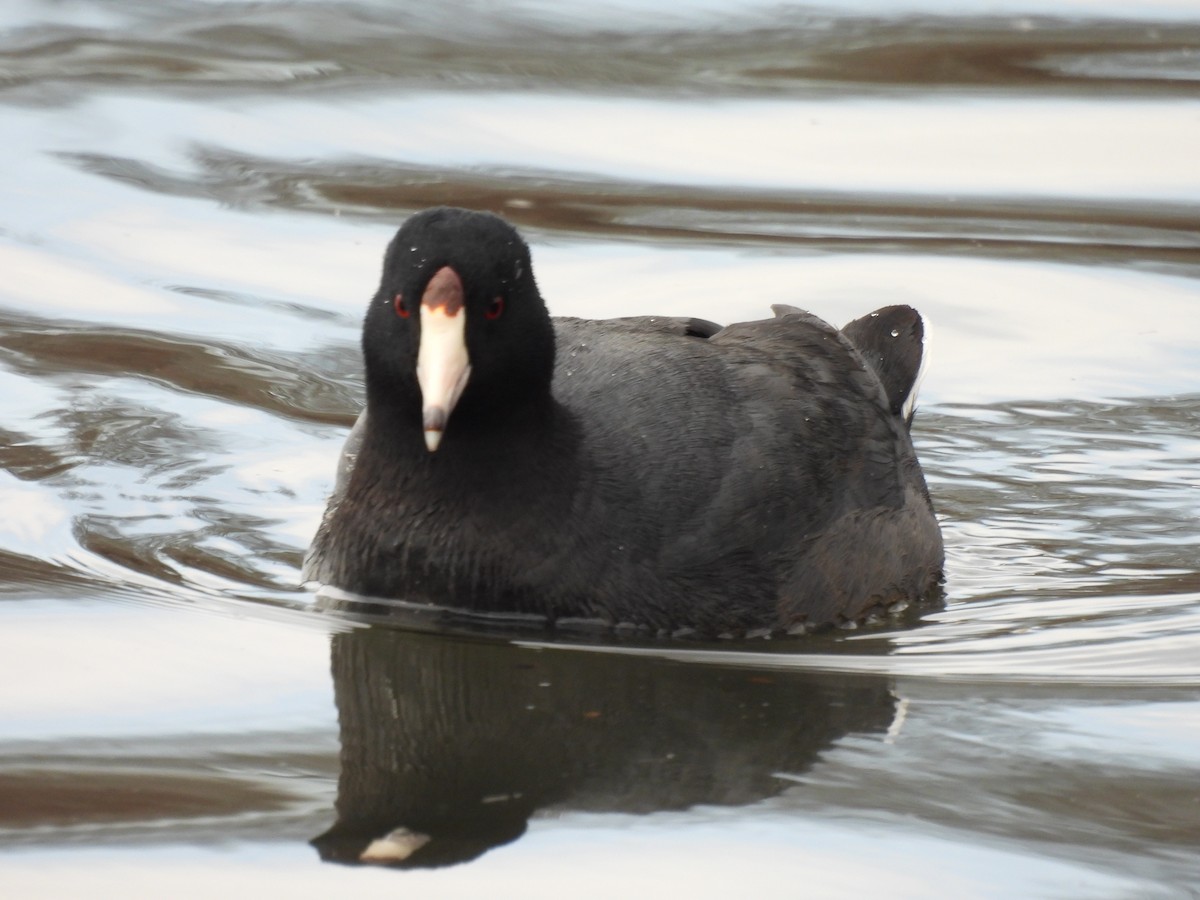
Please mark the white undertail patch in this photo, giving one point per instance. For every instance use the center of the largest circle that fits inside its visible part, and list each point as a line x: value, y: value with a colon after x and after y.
x: 910, y: 402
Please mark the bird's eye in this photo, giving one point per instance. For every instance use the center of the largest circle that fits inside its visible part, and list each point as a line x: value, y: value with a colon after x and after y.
x: 401, y: 307
x: 495, y: 309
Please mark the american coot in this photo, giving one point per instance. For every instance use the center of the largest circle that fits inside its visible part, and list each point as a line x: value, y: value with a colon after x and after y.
x: 662, y: 473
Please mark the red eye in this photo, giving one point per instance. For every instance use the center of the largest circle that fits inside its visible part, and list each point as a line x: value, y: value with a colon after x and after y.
x: 495, y: 309
x: 401, y: 307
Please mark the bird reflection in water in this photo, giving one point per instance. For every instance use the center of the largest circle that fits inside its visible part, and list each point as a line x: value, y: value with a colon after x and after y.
x: 449, y: 745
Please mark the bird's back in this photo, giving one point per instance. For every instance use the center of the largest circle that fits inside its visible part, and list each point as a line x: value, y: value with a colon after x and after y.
x: 752, y: 473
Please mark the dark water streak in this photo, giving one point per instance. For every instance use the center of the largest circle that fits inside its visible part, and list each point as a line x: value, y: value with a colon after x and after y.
x: 777, y: 51
x: 1166, y: 237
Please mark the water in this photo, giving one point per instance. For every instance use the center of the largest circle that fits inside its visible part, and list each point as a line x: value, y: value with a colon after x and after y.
x: 194, y: 199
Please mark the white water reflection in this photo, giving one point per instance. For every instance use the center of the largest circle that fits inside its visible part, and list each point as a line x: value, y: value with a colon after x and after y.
x: 134, y: 669
x: 1121, y: 149
x: 596, y: 856
x: 619, y: 15
x: 44, y: 281
x: 43, y: 525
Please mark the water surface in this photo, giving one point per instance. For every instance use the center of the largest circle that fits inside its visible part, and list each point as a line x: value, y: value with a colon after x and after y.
x: 194, y: 200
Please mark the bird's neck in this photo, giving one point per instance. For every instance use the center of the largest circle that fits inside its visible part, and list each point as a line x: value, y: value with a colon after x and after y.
x: 482, y: 431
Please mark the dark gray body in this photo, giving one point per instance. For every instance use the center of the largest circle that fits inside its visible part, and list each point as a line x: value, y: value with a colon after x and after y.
x: 762, y: 477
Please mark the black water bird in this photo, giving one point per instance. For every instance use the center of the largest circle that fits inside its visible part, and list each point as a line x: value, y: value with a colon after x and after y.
x: 661, y: 474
